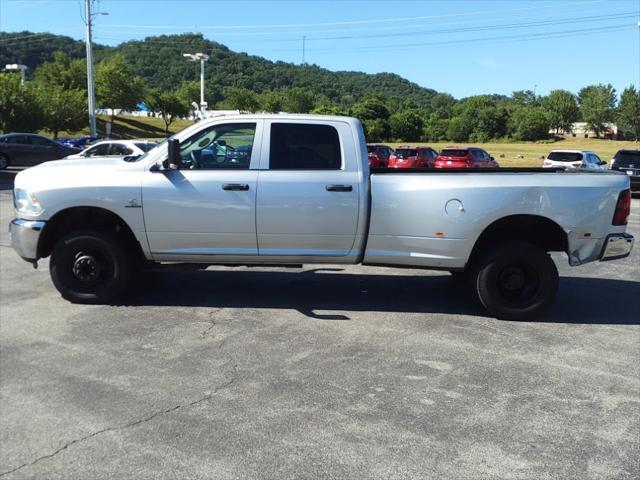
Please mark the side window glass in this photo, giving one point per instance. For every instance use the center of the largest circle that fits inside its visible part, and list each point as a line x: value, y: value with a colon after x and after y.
x: 91, y: 152
x: 304, y: 147
x: 99, y: 150
x: 119, y: 149
x: 19, y: 139
x: 596, y: 159
x: 41, y: 142
x: 218, y: 147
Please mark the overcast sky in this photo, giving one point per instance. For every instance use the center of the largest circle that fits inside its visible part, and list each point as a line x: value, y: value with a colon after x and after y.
x: 461, y: 47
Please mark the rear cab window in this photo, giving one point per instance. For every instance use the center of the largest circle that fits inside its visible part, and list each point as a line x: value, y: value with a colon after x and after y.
x: 628, y: 158
x: 565, y: 157
x: 296, y: 146
x: 406, y: 152
x: 453, y: 152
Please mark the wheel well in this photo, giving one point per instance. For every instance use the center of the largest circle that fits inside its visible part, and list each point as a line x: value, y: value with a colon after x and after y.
x: 535, y: 229
x: 76, y: 218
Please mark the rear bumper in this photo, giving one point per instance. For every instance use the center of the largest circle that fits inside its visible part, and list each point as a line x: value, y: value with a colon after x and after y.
x: 25, y: 235
x: 616, y: 245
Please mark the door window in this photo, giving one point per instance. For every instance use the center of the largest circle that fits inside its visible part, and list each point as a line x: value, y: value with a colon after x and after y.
x: 120, y: 149
x: 19, y: 139
x: 99, y: 150
x: 227, y: 146
x: 41, y: 142
x: 304, y: 147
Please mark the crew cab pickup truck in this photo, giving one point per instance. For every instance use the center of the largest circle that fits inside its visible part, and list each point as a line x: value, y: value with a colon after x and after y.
x: 292, y: 189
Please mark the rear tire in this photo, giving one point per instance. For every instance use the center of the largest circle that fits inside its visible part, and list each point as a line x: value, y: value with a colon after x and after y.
x: 4, y: 161
x: 90, y: 266
x: 516, y: 281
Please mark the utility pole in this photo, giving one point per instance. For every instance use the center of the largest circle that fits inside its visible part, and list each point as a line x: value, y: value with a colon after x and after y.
x: 90, y: 85
x: 202, y: 57
x: 304, y: 41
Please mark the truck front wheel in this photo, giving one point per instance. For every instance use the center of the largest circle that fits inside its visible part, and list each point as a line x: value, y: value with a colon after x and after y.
x: 516, y: 281
x: 90, y: 266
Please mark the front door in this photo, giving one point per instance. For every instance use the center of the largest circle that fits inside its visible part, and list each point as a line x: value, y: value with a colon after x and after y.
x: 308, y: 199
x: 207, y: 207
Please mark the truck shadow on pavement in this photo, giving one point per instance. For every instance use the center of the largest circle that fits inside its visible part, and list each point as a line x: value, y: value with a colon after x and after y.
x: 330, y: 294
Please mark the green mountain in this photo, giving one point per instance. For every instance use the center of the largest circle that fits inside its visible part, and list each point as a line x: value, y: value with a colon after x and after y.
x: 159, y: 61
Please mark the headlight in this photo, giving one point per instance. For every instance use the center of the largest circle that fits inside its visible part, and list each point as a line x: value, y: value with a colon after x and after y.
x: 26, y: 202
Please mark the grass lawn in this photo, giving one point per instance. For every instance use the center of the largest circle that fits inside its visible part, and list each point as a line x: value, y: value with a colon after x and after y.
x: 507, y: 154
x: 131, y: 127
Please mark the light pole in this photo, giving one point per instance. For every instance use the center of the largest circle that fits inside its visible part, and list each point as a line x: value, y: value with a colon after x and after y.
x: 91, y: 93
x: 202, y: 57
x: 14, y: 67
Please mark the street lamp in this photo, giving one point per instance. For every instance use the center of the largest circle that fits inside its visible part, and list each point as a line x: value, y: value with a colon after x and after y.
x: 202, y: 57
x: 14, y: 67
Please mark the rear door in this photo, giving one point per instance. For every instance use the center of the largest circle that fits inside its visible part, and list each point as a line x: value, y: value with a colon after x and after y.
x: 44, y: 150
x: 308, y: 193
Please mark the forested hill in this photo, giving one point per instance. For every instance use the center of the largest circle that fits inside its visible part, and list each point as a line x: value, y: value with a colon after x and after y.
x: 159, y: 61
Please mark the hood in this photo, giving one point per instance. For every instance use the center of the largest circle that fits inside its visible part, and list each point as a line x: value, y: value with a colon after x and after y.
x: 74, y: 172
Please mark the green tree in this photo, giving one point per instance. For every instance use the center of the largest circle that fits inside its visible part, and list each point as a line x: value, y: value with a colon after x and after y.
x: 458, y: 129
x: 524, y: 98
x: 19, y: 109
x: 529, y: 123
x: 563, y: 110
x: 116, y: 86
x: 629, y: 110
x: 435, y: 128
x: 242, y: 99
x: 270, y: 101
x: 62, y: 109
x: 328, y: 110
x: 188, y: 91
x: 597, y: 106
x: 406, y: 125
x: 63, y: 71
x: 374, y: 115
x: 442, y: 105
x: 298, y: 100
x: 168, y: 105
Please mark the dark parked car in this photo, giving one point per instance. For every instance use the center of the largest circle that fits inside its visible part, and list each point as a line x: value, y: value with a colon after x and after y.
x: 466, y: 157
x: 27, y: 149
x: 378, y: 155
x: 628, y: 161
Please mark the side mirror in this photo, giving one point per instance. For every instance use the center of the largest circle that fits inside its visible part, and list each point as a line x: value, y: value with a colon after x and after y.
x: 493, y: 159
x: 602, y: 162
x: 222, y: 143
x: 173, y: 156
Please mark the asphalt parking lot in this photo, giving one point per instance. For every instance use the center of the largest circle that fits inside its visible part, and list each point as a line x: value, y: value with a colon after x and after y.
x: 349, y: 372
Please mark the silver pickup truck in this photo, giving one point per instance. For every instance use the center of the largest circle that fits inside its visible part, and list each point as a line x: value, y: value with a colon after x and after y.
x: 293, y: 189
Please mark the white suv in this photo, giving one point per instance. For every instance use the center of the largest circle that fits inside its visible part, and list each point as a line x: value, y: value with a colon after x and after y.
x: 570, y: 159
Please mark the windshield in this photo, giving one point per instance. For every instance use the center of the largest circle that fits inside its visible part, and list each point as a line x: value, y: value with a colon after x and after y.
x: 146, y: 153
x: 565, y: 156
x: 626, y: 159
x: 406, y: 152
x: 453, y: 153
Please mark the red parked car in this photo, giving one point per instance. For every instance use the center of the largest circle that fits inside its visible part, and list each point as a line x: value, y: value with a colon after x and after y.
x: 413, y: 157
x: 378, y: 155
x: 467, y: 157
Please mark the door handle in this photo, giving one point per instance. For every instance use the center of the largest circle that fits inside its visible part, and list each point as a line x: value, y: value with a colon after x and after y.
x: 339, y: 188
x: 236, y: 186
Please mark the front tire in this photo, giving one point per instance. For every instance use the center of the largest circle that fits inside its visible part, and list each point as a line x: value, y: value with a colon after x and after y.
x: 516, y: 281
x: 90, y: 266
